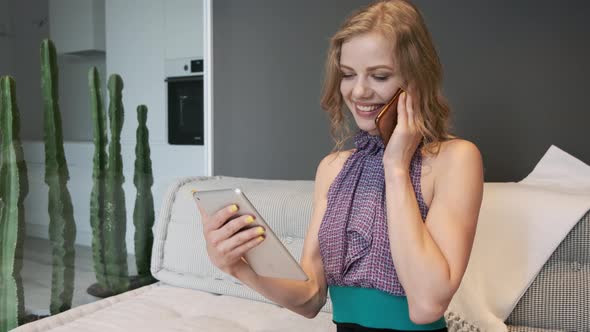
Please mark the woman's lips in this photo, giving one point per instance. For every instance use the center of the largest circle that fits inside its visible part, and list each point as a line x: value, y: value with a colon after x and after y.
x: 367, y: 110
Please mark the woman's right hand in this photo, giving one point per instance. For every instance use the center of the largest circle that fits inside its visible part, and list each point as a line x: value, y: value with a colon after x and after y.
x: 226, y: 244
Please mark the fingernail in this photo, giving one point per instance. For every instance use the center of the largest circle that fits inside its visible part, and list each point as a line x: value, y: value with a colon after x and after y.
x: 233, y: 208
x: 260, y: 238
x: 260, y: 230
x: 193, y: 191
x: 249, y: 220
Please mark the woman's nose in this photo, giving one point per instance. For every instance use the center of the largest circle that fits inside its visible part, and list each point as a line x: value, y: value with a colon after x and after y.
x: 360, y: 89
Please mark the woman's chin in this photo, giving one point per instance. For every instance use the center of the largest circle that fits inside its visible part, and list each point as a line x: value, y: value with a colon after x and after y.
x: 370, y: 128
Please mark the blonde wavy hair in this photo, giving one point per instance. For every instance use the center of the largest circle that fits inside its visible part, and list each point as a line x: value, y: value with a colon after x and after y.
x: 417, y: 62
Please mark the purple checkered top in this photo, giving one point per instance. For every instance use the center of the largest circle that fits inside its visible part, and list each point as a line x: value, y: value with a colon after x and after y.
x: 354, y: 243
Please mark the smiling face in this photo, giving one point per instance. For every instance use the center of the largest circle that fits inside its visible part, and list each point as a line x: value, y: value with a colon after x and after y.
x: 369, y: 78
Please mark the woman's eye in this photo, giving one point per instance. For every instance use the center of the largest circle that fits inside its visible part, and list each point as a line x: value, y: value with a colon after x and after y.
x: 347, y: 75
x: 381, y: 77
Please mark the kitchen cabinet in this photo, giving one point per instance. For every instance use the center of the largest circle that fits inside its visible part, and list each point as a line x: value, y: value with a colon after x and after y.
x: 77, y: 26
x: 183, y: 26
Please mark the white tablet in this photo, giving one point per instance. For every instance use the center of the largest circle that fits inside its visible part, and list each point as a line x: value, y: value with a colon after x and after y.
x: 268, y: 259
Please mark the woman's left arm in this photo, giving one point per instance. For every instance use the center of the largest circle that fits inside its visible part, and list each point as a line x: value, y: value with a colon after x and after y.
x: 431, y: 256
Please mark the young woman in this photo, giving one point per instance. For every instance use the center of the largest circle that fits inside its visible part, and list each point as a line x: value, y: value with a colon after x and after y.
x: 392, y: 227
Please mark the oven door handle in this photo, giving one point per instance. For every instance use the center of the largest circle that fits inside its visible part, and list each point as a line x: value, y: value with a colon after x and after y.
x: 184, y: 78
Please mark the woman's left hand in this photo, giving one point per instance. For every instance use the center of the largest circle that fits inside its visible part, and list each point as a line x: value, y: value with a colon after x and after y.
x: 405, y: 137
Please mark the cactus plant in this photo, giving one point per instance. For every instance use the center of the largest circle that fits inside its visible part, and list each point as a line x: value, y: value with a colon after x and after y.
x: 13, y: 189
x: 143, y: 212
x: 115, y: 216
x: 97, y: 206
x: 62, y: 227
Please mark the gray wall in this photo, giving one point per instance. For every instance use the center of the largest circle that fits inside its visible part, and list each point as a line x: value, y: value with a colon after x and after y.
x: 516, y: 74
x: 28, y: 29
x: 5, y: 39
x: 28, y: 24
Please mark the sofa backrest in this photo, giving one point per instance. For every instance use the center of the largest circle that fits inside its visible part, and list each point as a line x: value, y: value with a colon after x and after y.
x: 559, y: 297
x: 179, y: 255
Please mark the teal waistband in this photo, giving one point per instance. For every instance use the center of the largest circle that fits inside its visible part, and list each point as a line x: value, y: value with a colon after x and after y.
x: 375, y: 309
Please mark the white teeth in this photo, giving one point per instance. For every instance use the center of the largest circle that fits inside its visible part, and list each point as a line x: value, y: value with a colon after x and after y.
x: 367, y: 108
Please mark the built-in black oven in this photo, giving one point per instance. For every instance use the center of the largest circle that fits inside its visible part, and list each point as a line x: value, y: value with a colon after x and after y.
x: 184, y: 83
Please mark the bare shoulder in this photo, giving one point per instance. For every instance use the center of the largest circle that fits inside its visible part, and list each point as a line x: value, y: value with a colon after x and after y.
x: 458, y: 169
x: 329, y: 168
x: 457, y: 154
x: 336, y: 160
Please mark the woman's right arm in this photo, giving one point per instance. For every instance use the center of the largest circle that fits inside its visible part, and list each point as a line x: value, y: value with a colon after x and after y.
x: 226, y: 248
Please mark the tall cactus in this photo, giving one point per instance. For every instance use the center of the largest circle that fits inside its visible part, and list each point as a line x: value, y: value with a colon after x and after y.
x: 143, y: 212
x: 115, y: 223
x: 13, y: 189
x: 97, y: 206
x: 62, y: 227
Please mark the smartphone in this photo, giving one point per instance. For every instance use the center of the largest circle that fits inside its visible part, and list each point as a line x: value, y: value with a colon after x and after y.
x: 386, y: 120
x: 270, y: 258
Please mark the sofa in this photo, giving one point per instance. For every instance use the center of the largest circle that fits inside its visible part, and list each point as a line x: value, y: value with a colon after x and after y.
x: 192, y: 295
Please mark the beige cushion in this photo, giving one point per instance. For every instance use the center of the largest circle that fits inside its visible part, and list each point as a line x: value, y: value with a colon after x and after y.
x: 179, y: 256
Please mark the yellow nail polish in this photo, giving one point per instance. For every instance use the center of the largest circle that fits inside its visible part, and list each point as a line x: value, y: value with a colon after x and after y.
x: 260, y: 230
x: 260, y: 238
x: 233, y: 208
x: 249, y: 220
